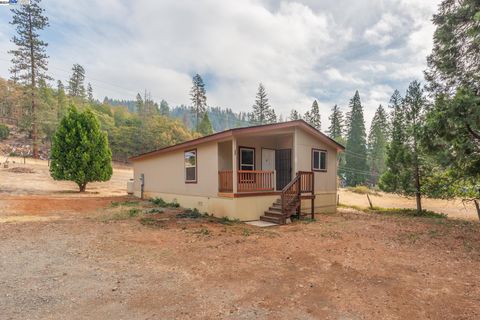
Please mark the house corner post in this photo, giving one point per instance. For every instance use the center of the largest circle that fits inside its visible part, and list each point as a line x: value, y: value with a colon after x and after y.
x: 234, y: 166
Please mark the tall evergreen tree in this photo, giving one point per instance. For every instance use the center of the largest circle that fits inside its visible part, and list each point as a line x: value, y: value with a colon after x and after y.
x: 76, y: 86
x: 336, y: 128
x: 405, y: 167
x: 313, y: 116
x: 336, y: 132
x: 262, y: 112
x: 397, y: 176
x: 29, y: 56
x: 139, y: 105
x: 452, y: 130
x: 61, y: 100
x: 80, y: 151
x: 199, y: 99
x: 415, y: 110
x: 205, y: 127
x: 89, y: 92
x: 164, y: 108
x: 294, y: 115
x: 356, y: 148
x: 377, y: 143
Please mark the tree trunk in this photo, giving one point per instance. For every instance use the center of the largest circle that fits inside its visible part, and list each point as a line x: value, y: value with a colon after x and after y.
x: 82, y: 186
x: 477, y: 205
x: 32, y: 71
x: 418, y: 194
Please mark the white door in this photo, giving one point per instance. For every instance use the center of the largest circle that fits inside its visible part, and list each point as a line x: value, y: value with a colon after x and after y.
x: 268, y: 159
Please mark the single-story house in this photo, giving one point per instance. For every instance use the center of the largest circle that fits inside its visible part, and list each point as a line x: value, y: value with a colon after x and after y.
x: 266, y: 172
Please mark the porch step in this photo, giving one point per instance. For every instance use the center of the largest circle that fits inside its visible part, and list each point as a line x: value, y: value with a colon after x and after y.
x: 273, y: 213
x: 275, y: 208
x: 277, y: 220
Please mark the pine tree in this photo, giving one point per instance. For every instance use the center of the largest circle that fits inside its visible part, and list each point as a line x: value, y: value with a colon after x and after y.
x: 262, y: 112
x: 377, y: 143
x: 356, y: 150
x: 271, y: 116
x: 76, y: 87
x: 452, y: 130
x: 313, y: 116
x: 336, y: 132
x: 199, y: 99
x: 294, y: 115
x: 89, y: 93
x: 139, y: 105
x: 397, y: 176
x: 61, y: 101
x: 205, y: 127
x: 29, y: 57
x: 164, y: 108
x: 414, y: 110
x: 80, y: 151
x: 336, y: 128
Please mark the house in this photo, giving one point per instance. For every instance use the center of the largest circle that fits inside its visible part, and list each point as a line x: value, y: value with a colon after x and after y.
x: 266, y: 172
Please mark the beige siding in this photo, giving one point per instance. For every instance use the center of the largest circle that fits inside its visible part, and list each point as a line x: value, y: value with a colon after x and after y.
x: 165, y: 173
x: 325, y: 182
x: 244, y: 209
x: 225, y: 155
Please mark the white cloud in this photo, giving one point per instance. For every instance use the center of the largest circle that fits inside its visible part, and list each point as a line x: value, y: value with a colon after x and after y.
x: 301, y: 50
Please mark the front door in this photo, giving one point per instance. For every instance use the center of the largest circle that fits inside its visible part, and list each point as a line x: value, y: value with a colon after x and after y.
x: 268, y: 159
x: 283, y: 165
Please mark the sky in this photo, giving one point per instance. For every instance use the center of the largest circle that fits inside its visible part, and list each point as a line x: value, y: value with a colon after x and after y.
x: 300, y: 50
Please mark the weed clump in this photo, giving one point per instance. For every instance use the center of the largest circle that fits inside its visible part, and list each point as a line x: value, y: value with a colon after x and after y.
x: 191, y: 214
x: 124, y: 203
x: 162, y: 203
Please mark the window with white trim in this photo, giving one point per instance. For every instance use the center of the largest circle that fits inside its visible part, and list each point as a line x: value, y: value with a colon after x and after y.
x: 319, y: 160
x: 190, y: 158
x: 247, y: 159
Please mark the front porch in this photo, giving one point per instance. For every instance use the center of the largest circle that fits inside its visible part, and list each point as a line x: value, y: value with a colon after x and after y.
x: 255, y: 165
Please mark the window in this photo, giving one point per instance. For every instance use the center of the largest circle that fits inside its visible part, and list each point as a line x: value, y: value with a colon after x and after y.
x: 247, y: 158
x: 190, y: 158
x: 319, y: 160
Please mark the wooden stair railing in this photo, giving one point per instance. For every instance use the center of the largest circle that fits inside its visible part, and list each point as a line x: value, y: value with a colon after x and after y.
x: 291, y: 199
x: 291, y: 196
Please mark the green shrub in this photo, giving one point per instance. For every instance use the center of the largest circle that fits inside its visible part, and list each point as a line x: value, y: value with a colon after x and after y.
x: 192, y: 214
x: 162, y: 203
x: 133, y: 212
x: 4, y: 132
x: 154, y: 211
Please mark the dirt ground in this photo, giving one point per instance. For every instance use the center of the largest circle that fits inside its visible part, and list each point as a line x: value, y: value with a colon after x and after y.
x: 453, y: 208
x: 105, y: 256
x: 40, y: 182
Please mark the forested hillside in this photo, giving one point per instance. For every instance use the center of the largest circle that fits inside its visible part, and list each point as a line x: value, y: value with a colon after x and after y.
x: 129, y: 133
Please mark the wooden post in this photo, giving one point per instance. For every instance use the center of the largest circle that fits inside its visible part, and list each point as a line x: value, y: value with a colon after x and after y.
x: 369, y: 201
x: 313, y: 195
x: 299, y: 195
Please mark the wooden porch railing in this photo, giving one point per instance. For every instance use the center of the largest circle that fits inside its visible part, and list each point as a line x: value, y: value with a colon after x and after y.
x: 225, y: 181
x: 255, y: 180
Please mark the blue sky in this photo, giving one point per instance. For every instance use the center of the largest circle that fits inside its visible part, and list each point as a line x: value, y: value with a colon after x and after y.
x: 301, y: 50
